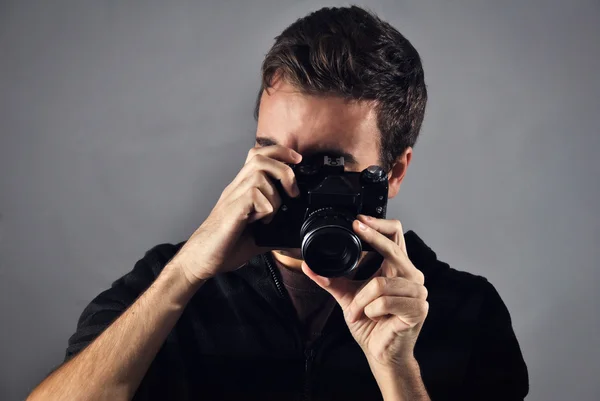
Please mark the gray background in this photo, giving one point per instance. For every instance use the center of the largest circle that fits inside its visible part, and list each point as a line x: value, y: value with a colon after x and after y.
x: 121, y: 122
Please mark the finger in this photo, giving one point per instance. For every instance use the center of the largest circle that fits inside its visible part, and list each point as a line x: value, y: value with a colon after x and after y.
x: 277, y: 152
x: 383, y: 286
x: 391, y: 251
x: 382, y: 244
x: 267, y: 188
x: 390, y: 228
x: 411, y: 311
x: 272, y: 168
x: 341, y: 289
x: 256, y: 206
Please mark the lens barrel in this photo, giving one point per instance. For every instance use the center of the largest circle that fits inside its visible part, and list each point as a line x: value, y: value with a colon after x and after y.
x: 329, y: 245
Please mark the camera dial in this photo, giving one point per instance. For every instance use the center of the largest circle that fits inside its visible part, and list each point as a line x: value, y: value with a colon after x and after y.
x: 373, y: 174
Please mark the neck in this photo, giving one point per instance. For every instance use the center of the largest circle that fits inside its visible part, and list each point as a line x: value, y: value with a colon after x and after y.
x: 293, y: 260
x: 286, y: 259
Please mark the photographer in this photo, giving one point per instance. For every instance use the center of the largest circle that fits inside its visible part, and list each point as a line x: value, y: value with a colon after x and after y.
x: 218, y: 317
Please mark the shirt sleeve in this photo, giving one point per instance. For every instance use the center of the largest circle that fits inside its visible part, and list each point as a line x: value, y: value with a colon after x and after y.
x: 108, y: 305
x: 496, y: 369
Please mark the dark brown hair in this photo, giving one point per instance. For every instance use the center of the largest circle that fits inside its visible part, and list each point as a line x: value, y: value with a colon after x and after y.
x: 352, y: 53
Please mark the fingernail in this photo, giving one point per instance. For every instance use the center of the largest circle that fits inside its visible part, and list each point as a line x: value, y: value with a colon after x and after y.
x: 369, y: 218
x: 362, y: 226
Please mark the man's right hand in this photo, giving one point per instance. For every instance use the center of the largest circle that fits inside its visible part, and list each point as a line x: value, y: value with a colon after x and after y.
x: 113, y: 365
x: 224, y: 242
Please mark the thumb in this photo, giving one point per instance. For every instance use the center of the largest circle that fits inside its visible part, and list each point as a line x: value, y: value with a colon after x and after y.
x: 341, y: 289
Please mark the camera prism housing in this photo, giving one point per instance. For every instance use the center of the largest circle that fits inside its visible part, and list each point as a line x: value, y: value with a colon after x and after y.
x: 319, y: 221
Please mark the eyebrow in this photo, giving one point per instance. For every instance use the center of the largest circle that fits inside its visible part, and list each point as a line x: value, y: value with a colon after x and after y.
x: 332, y: 151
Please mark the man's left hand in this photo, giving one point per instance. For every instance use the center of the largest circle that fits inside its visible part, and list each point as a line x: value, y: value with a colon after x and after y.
x: 384, y: 314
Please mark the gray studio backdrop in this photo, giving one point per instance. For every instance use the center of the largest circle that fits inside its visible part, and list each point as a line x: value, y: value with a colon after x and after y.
x: 121, y: 122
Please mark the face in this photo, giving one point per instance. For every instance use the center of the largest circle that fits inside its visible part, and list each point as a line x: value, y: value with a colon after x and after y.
x: 316, y: 124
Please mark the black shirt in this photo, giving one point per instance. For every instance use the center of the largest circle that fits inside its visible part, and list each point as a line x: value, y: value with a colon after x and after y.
x: 236, y: 339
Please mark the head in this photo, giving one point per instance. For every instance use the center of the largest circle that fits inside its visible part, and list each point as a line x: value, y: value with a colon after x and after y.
x: 342, y: 81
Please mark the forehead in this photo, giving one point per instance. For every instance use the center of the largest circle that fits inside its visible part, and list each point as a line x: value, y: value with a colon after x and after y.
x: 310, y: 123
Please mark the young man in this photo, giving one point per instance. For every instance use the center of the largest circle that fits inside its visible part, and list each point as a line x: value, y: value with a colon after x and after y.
x: 217, y: 318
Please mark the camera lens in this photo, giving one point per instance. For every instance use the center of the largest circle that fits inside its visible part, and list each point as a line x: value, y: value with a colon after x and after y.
x: 329, y: 245
x: 335, y: 248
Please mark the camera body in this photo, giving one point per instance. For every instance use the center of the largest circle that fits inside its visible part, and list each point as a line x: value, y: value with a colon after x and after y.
x: 319, y: 221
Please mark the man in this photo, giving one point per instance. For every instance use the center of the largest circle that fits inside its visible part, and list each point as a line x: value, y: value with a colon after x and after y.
x: 218, y: 318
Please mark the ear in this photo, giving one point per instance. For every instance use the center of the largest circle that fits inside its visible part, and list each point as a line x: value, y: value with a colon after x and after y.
x: 396, y: 174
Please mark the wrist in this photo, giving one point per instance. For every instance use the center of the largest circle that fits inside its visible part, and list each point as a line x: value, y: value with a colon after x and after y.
x: 399, y: 381
x: 193, y: 263
x: 398, y: 367
x: 182, y: 286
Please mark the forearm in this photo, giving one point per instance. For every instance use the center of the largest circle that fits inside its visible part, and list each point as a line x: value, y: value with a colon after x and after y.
x: 113, y: 365
x: 401, y: 384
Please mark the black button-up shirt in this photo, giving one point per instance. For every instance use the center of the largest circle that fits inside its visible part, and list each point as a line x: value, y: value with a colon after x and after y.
x: 236, y: 339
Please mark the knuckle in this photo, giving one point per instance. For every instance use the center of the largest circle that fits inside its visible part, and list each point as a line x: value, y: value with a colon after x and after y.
x: 398, y: 225
x: 382, y: 303
x: 289, y: 174
x: 258, y: 158
x: 417, y: 276
x: 251, y: 163
x: 400, y: 325
x: 423, y: 292
x: 422, y: 307
x: 255, y: 193
x: 253, y: 155
x: 261, y: 180
x: 252, y: 152
x: 379, y: 284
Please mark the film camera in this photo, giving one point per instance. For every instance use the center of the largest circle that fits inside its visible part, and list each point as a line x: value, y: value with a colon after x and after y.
x: 319, y: 221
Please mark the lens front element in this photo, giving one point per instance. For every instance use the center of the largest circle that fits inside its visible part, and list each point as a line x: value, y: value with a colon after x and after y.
x: 329, y: 245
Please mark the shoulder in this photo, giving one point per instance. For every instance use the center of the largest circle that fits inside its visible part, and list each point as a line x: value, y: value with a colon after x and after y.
x: 467, y: 335
x: 457, y: 280
x: 450, y: 288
